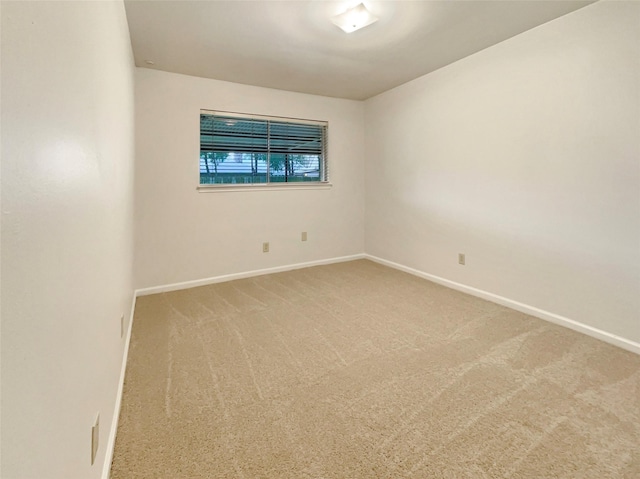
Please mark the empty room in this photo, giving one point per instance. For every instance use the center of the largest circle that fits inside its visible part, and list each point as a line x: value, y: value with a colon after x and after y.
x: 320, y: 239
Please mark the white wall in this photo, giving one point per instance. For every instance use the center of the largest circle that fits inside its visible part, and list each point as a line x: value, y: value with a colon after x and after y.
x: 67, y: 235
x: 183, y: 235
x: 526, y: 157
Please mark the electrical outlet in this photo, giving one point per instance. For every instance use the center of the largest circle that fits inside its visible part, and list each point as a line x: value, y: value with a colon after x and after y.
x: 265, y: 247
x: 304, y: 236
x: 95, y: 436
x: 461, y: 259
x: 122, y: 326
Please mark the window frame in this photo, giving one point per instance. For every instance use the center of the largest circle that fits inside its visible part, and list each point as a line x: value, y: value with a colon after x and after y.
x: 322, y: 183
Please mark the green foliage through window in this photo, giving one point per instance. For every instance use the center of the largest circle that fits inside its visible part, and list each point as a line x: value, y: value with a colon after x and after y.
x: 246, y: 150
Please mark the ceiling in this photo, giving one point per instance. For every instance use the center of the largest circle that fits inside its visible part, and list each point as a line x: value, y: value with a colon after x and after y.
x: 292, y: 45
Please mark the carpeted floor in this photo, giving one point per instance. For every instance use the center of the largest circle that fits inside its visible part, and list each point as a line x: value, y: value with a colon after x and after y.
x: 355, y: 370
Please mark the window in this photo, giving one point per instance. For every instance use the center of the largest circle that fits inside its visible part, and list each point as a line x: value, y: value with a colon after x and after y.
x: 237, y: 149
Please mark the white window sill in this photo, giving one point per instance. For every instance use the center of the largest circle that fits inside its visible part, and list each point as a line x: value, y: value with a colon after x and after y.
x: 262, y: 187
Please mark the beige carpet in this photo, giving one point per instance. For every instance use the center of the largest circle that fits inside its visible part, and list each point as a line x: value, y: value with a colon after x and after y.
x: 356, y: 370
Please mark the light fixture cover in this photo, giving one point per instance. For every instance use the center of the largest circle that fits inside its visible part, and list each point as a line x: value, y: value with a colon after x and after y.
x: 354, y: 19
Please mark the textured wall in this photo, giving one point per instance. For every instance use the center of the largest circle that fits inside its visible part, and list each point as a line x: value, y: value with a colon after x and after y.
x: 183, y: 234
x: 526, y: 157
x: 67, y: 235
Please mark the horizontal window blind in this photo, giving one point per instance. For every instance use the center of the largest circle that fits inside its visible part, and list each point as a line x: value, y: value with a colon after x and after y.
x: 256, y: 149
x: 224, y: 134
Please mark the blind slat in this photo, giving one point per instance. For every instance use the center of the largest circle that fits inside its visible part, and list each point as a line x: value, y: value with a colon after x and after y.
x: 228, y: 134
x: 230, y: 144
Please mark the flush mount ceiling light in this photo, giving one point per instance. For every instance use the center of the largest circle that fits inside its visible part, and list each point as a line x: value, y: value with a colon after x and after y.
x: 354, y: 19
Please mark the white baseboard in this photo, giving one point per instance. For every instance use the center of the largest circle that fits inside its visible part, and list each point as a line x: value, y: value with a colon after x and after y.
x: 111, y: 441
x: 247, y: 274
x: 523, y: 308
